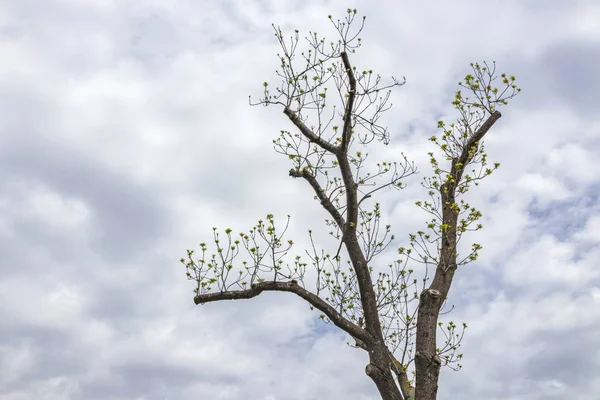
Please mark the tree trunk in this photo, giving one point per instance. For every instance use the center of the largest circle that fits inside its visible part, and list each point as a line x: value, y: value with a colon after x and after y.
x: 427, y: 362
x: 379, y: 371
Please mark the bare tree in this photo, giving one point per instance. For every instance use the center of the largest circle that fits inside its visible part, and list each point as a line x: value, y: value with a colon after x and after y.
x: 390, y: 314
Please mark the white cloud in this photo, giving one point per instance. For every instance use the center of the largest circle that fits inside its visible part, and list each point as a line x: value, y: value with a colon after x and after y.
x: 548, y: 261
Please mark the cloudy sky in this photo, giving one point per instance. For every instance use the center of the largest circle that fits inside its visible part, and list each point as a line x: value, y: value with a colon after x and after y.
x: 126, y: 134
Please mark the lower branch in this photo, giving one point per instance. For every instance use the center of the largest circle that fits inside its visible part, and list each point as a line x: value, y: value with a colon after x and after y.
x: 292, y: 287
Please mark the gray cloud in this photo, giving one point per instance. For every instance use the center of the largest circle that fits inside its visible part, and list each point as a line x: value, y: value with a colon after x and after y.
x: 125, y: 135
x: 123, y: 210
x: 572, y: 71
x: 565, y: 73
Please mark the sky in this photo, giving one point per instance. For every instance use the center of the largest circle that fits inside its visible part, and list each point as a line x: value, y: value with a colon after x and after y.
x: 126, y: 135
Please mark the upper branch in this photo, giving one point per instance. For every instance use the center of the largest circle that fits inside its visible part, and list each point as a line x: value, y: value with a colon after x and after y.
x: 292, y: 287
x: 321, y: 195
x: 308, y: 133
x: 448, y: 247
x: 347, y: 132
x: 471, y: 146
x: 463, y: 145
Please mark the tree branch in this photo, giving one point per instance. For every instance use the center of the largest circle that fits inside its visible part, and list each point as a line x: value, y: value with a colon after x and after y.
x: 427, y: 361
x: 308, y: 133
x: 292, y: 287
x: 471, y: 146
x: 408, y: 391
x: 351, y: 188
x: 325, y: 202
x: 347, y: 132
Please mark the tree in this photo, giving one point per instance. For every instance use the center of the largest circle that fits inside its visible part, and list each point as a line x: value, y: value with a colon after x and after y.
x: 389, y: 314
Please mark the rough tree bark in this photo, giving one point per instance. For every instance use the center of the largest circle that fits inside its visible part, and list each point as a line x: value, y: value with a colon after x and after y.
x: 375, y: 311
